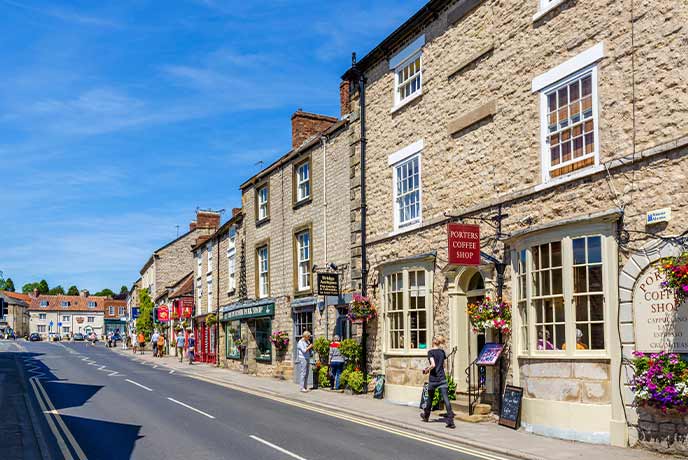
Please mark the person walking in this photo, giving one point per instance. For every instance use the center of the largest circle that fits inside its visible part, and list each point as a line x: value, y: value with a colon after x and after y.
x: 304, y: 351
x: 180, y: 346
x: 190, y: 348
x: 142, y: 341
x: 134, y: 342
x: 437, y: 380
x: 336, y: 362
x: 161, y: 345
x: 154, y: 343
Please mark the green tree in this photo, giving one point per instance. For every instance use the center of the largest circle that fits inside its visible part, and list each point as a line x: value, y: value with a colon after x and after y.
x: 57, y: 290
x: 105, y: 293
x: 144, y: 323
x: 9, y: 285
x: 29, y: 287
x: 73, y: 290
x: 43, y: 287
x: 123, y: 290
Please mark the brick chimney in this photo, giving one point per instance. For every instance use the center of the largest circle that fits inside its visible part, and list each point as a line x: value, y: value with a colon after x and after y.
x: 344, y: 101
x: 235, y: 211
x: 35, y: 293
x: 84, y: 293
x: 192, y: 225
x: 208, y: 219
x: 305, y: 125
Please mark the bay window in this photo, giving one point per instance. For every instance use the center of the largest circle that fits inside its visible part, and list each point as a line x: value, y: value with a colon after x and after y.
x: 407, y: 298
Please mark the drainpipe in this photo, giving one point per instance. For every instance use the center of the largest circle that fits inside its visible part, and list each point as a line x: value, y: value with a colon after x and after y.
x: 323, y: 141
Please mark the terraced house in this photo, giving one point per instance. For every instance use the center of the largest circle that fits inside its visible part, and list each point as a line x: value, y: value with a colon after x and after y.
x: 296, y: 223
x: 66, y: 315
x: 559, y: 120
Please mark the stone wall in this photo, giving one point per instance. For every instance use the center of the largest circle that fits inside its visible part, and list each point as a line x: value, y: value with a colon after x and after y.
x: 570, y: 381
x: 666, y: 433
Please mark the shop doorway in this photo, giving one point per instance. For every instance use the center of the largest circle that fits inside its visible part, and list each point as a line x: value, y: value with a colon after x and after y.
x: 342, y: 327
x: 303, y: 321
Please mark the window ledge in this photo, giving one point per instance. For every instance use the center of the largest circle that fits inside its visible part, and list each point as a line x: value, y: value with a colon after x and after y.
x: 262, y: 221
x: 301, y: 203
x: 420, y: 352
x: 407, y: 228
x: 558, y: 356
x: 407, y: 101
x: 569, y: 177
x: 547, y: 9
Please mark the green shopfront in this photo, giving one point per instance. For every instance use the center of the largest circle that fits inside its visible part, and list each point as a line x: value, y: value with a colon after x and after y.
x: 247, y: 328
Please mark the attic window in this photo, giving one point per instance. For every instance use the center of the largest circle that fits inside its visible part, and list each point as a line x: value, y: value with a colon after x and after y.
x: 44, y: 303
x: 64, y: 303
x: 91, y: 304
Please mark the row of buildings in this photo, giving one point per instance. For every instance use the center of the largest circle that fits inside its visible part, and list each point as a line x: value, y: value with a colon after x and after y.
x: 558, y: 126
x: 62, y: 315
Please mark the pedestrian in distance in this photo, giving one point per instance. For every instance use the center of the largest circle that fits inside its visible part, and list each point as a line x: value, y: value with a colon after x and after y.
x: 142, y: 341
x: 336, y: 361
x: 154, y: 343
x: 161, y: 345
x: 190, y: 349
x: 304, y: 351
x: 180, y: 346
x: 437, y: 380
x: 134, y: 342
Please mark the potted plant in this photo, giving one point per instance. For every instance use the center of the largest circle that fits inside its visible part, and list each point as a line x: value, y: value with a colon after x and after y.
x: 675, y: 271
x: 361, y: 309
x: 660, y: 381
x: 490, y: 314
x: 280, y: 339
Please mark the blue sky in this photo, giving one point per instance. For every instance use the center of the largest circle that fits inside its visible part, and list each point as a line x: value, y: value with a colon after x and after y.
x: 119, y: 119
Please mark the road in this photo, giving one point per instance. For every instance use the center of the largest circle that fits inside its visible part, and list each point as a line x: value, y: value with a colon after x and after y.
x: 99, y: 404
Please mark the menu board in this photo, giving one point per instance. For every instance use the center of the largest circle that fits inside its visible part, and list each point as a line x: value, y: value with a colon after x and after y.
x: 510, y: 415
x: 490, y: 354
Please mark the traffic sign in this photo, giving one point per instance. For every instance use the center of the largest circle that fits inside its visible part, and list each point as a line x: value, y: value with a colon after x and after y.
x: 59, y: 324
x: 51, y: 323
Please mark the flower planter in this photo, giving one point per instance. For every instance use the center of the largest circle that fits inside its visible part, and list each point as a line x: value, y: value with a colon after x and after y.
x: 361, y: 309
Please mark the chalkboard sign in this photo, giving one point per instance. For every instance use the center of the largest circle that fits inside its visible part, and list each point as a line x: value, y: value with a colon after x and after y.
x: 379, y: 387
x: 510, y: 414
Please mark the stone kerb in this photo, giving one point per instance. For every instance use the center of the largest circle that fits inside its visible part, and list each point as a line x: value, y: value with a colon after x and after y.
x: 649, y: 427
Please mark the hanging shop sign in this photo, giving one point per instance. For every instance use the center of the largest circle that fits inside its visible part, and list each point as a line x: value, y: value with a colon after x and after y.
x: 328, y: 284
x: 163, y: 313
x: 464, y: 244
x: 249, y: 312
x: 186, y: 307
x: 660, y: 324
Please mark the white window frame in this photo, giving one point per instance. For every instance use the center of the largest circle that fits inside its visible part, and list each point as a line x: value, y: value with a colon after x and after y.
x: 65, y: 318
x: 303, y: 264
x: 65, y: 303
x: 545, y: 6
x: 44, y: 303
x: 263, y: 202
x: 417, y: 221
x: 111, y: 310
x: 209, y: 249
x: 199, y: 264
x: 231, y: 260
x: 303, y: 183
x: 263, y: 274
x: 92, y: 304
x: 40, y: 328
x: 42, y: 316
x: 65, y: 329
x: 90, y: 319
x: 566, y: 236
x: 429, y: 310
x: 398, y: 101
x: 209, y: 283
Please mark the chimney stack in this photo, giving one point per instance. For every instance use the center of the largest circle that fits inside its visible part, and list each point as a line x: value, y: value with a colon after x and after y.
x: 344, y: 100
x: 35, y: 293
x: 84, y: 293
x: 305, y: 125
x: 208, y: 220
x: 192, y: 226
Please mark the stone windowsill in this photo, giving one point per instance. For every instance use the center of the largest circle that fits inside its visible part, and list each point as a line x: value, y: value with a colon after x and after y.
x: 547, y: 9
x: 407, y: 101
x: 407, y: 228
x: 420, y: 353
x: 564, y: 357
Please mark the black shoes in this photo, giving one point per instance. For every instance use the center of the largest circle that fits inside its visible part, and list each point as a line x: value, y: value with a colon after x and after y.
x: 450, y: 423
x: 424, y: 417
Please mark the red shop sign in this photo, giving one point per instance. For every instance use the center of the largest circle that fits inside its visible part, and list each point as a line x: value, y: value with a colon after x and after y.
x: 187, y: 305
x: 163, y: 313
x: 464, y: 244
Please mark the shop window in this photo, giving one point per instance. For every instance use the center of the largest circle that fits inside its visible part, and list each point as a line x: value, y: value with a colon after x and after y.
x: 263, y: 271
x: 41, y: 328
x: 303, y: 260
x: 233, y: 335
x: 262, y: 204
x: 407, y: 296
x: 263, y: 344
x: 560, y: 295
x: 231, y: 260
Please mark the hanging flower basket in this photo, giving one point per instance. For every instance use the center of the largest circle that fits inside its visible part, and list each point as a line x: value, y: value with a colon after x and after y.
x: 660, y: 381
x: 675, y: 271
x: 490, y: 314
x: 361, y: 309
x: 211, y: 320
x: 280, y: 339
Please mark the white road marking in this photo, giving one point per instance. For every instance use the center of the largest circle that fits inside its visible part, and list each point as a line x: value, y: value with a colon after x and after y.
x: 60, y: 442
x: 155, y: 366
x: 277, y: 448
x: 101, y: 368
x: 139, y: 385
x: 172, y: 371
x: 189, y: 407
x: 114, y: 373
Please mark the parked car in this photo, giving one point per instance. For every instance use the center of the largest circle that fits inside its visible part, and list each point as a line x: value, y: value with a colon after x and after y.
x: 35, y: 337
x: 78, y: 337
x: 54, y: 337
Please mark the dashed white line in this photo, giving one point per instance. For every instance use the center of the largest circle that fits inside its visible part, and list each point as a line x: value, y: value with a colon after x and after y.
x: 139, y: 385
x: 172, y: 371
x: 277, y: 448
x: 192, y: 408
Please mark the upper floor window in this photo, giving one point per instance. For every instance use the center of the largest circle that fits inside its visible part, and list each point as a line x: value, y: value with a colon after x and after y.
x: 64, y: 303
x: 408, y: 79
x: 209, y: 249
x: 303, y: 253
x: 569, y: 115
x: 111, y: 310
x: 42, y: 316
x: 65, y: 318
x: 231, y: 259
x: 303, y: 181
x: 561, y: 295
x: 407, y: 192
x: 199, y: 264
x: 209, y: 281
x: 44, y: 303
x: 121, y: 311
x: 407, y: 298
x: 263, y: 210
x: 91, y: 304
x: 91, y: 319
x: 263, y: 272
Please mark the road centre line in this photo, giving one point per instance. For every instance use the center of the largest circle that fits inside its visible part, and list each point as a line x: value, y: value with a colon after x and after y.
x: 427, y: 439
x: 139, y: 385
x: 189, y: 407
x: 75, y: 445
x: 278, y: 448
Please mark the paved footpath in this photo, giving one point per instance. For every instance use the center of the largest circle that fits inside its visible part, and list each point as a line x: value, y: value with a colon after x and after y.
x: 491, y: 436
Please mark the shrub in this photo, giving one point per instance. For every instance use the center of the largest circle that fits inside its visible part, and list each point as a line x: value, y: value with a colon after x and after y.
x: 323, y: 377
x: 322, y: 348
x: 351, y: 350
x: 355, y: 381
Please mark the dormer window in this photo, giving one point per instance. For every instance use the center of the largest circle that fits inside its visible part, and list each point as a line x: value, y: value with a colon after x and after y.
x: 65, y: 303
x: 91, y: 304
x: 44, y: 303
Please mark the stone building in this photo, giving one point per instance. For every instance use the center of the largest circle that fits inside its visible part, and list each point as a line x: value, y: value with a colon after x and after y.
x: 15, y: 313
x: 294, y: 226
x: 217, y: 279
x: 66, y: 315
x: 115, y: 316
x: 565, y: 119
x: 172, y: 261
